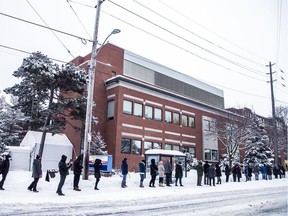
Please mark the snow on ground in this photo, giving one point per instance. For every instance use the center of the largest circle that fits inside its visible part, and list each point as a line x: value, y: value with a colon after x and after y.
x: 17, y: 195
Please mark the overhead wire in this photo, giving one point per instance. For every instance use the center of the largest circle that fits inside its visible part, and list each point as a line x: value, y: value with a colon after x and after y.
x: 197, y: 35
x: 50, y: 30
x: 79, y: 19
x: 83, y: 40
x: 209, y: 30
x: 190, y: 42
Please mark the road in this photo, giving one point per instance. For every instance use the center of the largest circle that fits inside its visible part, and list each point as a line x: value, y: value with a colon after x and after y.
x: 260, y: 202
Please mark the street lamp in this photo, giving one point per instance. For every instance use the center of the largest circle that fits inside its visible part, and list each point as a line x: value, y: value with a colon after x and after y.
x: 90, y: 104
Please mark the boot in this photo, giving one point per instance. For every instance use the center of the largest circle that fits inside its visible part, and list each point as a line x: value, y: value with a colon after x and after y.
x: 141, y: 185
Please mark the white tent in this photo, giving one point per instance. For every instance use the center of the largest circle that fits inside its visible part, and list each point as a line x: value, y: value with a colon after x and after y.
x: 55, y: 146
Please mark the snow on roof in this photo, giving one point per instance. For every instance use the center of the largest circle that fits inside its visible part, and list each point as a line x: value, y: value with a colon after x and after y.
x: 33, y: 137
x: 164, y: 152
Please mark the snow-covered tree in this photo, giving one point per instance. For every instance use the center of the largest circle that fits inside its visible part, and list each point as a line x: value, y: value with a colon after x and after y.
x: 97, y: 144
x: 232, y: 133
x: 258, y: 151
x: 11, y: 121
x: 44, y: 93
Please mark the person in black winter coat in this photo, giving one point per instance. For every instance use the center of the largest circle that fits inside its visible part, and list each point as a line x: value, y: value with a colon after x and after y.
x: 211, y: 174
x: 77, y: 169
x: 227, y: 172
x: 97, y: 174
x: 36, y: 173
x: 64, y: 171
x: 178, y: 174
x: 200, y: 171
x: 218, y: 173
x: 153, y: 173
x: 205, y: 167
x: 4, y: 170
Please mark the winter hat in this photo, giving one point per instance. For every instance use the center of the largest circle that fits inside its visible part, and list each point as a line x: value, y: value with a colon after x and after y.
x: 37, y: 156
x: 143, y: 161
x: 63, y: 157
x: 125, y: 159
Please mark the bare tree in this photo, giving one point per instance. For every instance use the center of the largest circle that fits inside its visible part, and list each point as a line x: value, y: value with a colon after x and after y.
x: 232, y: 132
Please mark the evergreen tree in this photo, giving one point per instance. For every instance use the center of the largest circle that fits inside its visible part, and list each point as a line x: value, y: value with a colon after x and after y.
x: 258, y: 151
x: 97, y: 144
x: 45, y: 93
x: 10, y: 124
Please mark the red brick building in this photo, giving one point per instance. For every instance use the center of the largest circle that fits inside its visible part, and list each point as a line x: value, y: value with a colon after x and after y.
x: 141, y: 105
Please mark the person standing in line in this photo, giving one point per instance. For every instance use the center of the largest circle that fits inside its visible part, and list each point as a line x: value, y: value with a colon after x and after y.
x: 161, y: 171
x: 4, y: 170
x: 264, y: 172
x: 153, y: 173
x: 77, y: 169
x: 218, y: 173
x: 168, y: 173
x: 268, y: 172
x: 64, y: 171
x: 124, y: 170
x: 256, y: 171
x: 227, y: 172
x: 36, y: 173
x: 211, y: 174
x: 97, y: 173
x: 178, y: 174
x: 237, y: 172
x: 200, y: 171
x: 206, y: 166
x: 142, y: 170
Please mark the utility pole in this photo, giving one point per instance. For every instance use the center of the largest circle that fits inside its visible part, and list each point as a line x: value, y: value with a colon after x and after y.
x: 90, y: 90
x: 274, y: 114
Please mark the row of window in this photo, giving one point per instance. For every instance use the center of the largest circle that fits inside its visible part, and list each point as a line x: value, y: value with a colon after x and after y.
x: 155, y: 113
x: 130, y: 146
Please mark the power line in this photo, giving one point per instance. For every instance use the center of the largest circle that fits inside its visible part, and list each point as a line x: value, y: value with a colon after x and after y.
x: 197, y: 35
x: 179, y: 47
x: 79, y: 19
x: 83, y: 40
x: 173, y: 9
x: 188, y: 41
x: 50, y: 30
x: 26, y: 52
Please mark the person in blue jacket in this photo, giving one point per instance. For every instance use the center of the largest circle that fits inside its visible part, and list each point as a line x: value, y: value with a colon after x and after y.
x: 142, y: 170
x: 124, y: 170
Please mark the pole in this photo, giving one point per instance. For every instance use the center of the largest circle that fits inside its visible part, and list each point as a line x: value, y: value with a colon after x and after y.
x: 90, y: 89
x: 274, y: 114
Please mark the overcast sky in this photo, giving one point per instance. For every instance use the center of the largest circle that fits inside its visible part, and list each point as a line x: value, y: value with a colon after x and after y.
x: 225, y: 43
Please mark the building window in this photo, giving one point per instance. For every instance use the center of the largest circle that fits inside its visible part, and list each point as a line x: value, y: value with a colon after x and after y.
x: 138, y: 109
x: 207, y: 154
x: 168, y: 147
x: 209, y: 125
x: 191, y: 121
x: 184, y: 119
x: 147, y: 146
x: 110, y: 109
x: 127, y: 107
x: 136, y: 147
x: 125, y: 145
x: 214, y: 155
x: 148, y: 112
x: 176, y: 118
x: 176, y: 147
x: 157, y: 145
x: 168, y: 116
x: 158, y: 114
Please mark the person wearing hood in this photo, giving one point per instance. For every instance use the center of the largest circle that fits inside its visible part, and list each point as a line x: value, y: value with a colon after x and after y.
x: 64, y: 171
x: 4, y: 170
x: 77, y: 169
x: 36, y: 173
x: 142, y: 170
x: 178, y: 174
x: 153, y: 173
x: 97, y: 173
x: 161, y: 171
x: 124, y: 170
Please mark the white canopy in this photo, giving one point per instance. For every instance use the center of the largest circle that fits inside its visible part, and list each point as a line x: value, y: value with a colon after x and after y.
x: 164, y: 152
